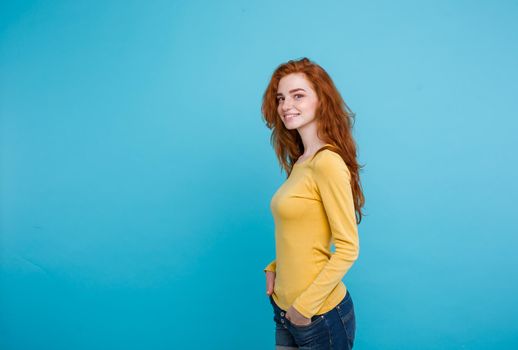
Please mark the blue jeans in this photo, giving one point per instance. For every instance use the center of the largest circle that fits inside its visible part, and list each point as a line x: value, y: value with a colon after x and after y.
x: 332, y: 330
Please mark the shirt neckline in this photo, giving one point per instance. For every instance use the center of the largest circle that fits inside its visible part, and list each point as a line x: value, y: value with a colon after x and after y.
x: 313, y: 156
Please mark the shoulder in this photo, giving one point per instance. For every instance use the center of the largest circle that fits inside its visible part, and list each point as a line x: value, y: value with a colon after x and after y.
x: 327, y: 158
x: 327, y: 162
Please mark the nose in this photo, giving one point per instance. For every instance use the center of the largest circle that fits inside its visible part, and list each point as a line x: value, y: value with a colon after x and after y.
x: 286, y: 105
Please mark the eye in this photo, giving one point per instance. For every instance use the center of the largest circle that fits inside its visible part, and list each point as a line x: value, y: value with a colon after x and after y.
x: 279, y: 98
x: 300, y: 96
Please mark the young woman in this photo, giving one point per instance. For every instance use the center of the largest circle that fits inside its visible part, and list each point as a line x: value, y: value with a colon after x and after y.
x: 319, y: 204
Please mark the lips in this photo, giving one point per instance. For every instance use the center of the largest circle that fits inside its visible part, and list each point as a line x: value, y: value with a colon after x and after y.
x: 291, y: 116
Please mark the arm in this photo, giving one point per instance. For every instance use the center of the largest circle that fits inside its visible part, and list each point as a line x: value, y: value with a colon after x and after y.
x: 270, y: 277
x: 332, y: 178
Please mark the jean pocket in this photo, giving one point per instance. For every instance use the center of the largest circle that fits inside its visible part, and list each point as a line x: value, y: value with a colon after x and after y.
x: 307, y: 327
x: 346, y: 312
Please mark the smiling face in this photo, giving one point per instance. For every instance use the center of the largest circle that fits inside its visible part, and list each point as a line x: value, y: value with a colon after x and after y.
x: 296, y: 101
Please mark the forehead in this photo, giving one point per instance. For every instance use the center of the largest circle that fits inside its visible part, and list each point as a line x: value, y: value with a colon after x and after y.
x: 293, y: 81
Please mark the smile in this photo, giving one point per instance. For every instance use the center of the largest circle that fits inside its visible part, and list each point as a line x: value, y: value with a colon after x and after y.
x: 291, y: 116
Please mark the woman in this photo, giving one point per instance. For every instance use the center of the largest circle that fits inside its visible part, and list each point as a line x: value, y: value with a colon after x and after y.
x: 319, y: 204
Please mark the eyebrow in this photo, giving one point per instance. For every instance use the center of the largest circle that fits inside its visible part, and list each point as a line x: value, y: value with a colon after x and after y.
x: 291, y: 91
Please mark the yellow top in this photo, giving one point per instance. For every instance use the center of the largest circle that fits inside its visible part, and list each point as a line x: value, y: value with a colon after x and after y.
x: 312, y: 209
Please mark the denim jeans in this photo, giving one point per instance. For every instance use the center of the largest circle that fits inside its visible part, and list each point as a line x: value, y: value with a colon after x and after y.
x: 332, y: 330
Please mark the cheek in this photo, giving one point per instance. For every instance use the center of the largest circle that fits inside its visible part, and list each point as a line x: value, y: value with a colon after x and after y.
x: 310, y: 108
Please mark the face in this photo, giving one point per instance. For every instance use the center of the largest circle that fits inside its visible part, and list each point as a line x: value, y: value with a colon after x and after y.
x: 296, y: 101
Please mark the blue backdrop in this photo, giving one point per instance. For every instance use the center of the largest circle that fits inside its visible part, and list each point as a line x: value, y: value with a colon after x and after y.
x: 136, y: 173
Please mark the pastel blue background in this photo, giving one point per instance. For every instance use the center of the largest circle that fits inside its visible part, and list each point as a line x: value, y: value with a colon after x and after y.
x: 136, y: 172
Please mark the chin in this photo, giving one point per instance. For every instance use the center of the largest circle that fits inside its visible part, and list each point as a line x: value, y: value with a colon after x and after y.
x: 292, y: 126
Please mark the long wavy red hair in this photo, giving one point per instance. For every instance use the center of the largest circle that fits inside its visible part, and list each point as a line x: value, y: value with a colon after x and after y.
x: 334, y: 119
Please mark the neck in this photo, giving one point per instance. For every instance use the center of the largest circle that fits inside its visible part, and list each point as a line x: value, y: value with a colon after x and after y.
x: 310, y: 140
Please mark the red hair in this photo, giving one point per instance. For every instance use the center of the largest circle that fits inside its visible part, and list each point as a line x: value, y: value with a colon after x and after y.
x: 334, y: 119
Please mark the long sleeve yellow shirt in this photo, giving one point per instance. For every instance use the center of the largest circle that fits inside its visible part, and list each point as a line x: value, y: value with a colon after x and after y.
x: 313, y: 209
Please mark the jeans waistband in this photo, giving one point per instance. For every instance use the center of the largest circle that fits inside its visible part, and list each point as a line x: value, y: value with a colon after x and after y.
x: 279, y: 310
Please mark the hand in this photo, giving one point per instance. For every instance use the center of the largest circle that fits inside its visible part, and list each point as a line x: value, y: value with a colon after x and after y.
x: 296, y: 317
x: 270, y: 282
